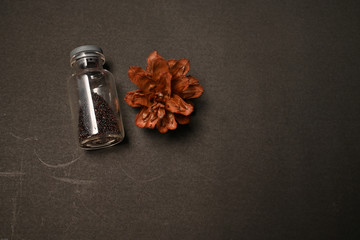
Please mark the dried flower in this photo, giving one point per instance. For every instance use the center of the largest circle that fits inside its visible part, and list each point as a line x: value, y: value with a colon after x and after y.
x: 164, y: 90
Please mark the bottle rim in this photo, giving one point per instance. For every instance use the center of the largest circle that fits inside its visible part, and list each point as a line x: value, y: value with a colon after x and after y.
x: 86, y: 55
x: 86, y: 51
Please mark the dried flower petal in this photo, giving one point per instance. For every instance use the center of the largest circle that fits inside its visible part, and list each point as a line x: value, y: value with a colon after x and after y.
x: 168, y: 122
x: 157, y: 66
x: 177, y: 105
x: 139, y: 77
x: 179, y: 85
x: 161, y: 112
x: 150, y: 61
x: 146, y: 118
x: 180, y: 68
x: 193, y: 81
x: 194, y: 90
x: 181, y: 119
x: 137, y: 99
x: 164, y: 84
x: 171, y: 63
x: 133, y: 71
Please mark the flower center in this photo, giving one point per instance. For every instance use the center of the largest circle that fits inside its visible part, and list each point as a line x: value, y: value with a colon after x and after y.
x: 159, y: 97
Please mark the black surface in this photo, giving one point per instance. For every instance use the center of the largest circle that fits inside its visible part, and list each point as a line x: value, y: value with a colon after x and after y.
x: 272, y: 151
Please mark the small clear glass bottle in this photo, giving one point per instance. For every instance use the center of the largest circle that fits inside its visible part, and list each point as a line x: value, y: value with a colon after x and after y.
x: 93, y: 100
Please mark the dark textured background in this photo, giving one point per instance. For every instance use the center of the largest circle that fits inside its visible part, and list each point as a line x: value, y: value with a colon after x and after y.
x: 272, y: 151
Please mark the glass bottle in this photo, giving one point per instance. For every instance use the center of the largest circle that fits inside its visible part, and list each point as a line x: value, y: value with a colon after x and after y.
x: 93, y: 100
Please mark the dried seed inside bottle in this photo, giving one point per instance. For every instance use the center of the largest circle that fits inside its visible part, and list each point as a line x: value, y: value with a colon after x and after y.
x: 106, y: 123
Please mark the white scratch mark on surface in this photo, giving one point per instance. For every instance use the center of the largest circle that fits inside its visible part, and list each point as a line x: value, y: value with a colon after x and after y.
x: 214, y: 181
x: 61, y: 165
x: 24, y: 139
x: 67, y: 228
x: 151, y: 179
x: 74, y: 181
x: 16, y: 206
x: 126, y: 174
x: 202, y: 175
x: 11, y: 174
x: 139, y: 180
x: 91, y: 211
x: 14, y: 216
x: 56, y: 126
x: 102, y: 218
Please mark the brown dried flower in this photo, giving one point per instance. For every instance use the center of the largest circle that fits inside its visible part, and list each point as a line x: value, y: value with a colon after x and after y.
x: 164, y: 90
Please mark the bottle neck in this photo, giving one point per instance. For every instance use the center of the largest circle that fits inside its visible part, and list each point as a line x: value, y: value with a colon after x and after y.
x: 86, y: 63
